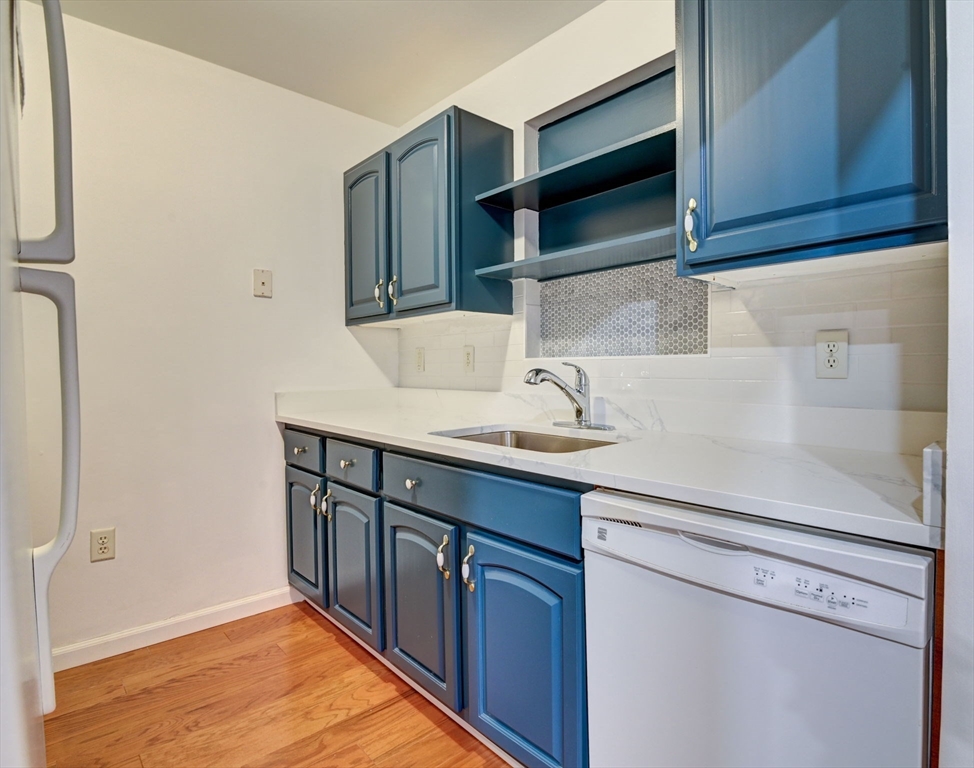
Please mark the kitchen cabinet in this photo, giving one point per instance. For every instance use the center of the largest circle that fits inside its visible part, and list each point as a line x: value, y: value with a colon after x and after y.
x: 808, y: 129
x: 525, y: 651
x: 422, y: 600
x: 414, y: 233
x: 366, y: 238
x: 306, y: 534
x: 355, y: 587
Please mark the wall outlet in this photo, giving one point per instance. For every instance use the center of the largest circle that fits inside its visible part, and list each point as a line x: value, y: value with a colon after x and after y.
x: 102, y: 544
x: 832, y: 355
x: 468, y: 359
x: 263, y: 283
x: 420, y: 359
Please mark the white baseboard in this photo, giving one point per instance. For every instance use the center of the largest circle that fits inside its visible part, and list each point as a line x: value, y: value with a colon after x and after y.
x: 76, y: 654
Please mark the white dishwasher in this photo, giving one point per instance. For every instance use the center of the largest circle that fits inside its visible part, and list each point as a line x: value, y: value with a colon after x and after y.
x: 716, y: 640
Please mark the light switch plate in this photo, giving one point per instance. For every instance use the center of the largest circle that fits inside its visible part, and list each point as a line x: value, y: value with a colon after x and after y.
x: 468, y: 361
x: 420, y: 359
x: 263, y: 283
x: 832, y: 355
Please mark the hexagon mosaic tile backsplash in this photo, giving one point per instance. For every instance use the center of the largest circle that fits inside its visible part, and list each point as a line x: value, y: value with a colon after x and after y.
x: 641, y: 310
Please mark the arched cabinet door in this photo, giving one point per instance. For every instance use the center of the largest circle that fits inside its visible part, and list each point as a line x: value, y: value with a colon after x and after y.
x: 808, y: 129
x: 421, y: 216
x: 306, y: 535
x: 355, y: 587
x: 525, y: 651
x: 366, y: 238
x: 422, y: 600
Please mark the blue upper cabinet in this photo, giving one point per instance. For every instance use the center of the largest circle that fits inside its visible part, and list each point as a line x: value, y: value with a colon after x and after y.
x: 808, y: 129
x: 355, y: 577
x: 306, y: 534
x: 421, y: 217
x: 437, y: 233
x: 422, y: 600
x: 525, y: 640
x: 366, y: 238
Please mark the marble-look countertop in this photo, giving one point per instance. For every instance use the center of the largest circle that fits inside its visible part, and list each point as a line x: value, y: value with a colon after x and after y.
x: 859, y: 492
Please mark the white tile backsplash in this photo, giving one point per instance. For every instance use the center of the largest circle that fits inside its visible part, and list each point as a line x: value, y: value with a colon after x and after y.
x: 762, y: 346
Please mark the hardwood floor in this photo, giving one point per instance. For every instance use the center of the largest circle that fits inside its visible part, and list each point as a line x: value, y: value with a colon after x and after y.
x: 283, y: 688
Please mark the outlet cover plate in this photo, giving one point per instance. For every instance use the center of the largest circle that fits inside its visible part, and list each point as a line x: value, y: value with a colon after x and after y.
x: 832, y: 355
x: 263, y: 283
x: 102, y: 544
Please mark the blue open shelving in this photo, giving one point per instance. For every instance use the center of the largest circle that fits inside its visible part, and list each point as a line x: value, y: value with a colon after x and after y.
x: 649, y: 154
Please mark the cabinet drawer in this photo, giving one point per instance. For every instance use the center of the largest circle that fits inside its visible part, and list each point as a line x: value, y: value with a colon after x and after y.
x: 537, y: 514
x: 352, y: 464
x: 304, y: 450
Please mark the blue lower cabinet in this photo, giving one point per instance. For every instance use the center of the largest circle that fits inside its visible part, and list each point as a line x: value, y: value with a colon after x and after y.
x: 525, y: 647
x: 306, y: 535
x: 422, y: 600
x: 354, y: 583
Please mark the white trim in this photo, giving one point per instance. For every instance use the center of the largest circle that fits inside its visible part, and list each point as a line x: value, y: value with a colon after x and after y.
x: 424, y: 693
x: 76, y: 654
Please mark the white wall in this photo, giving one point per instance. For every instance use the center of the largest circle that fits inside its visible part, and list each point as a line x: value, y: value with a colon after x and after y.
x: 187, y: 176
x: 762, y: 348
x: 957, y: 731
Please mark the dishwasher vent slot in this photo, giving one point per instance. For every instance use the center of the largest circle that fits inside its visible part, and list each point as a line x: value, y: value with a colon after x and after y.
x: 633, y: 523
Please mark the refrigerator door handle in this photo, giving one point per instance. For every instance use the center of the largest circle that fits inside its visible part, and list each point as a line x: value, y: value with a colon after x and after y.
x: 59, y: 288
x: 58, y: 246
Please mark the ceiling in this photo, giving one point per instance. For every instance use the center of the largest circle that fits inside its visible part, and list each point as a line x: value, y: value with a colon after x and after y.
x: 386, y: 59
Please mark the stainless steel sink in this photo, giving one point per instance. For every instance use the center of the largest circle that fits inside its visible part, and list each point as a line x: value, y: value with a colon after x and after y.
x: 534, y: 441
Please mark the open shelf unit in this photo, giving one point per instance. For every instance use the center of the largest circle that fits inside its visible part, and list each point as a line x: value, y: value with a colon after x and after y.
x: 641, y: 157
x: 621, y: 252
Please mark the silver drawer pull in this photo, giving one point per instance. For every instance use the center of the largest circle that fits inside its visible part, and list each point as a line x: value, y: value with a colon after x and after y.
x: 314, y: 498
x: 410, y: 483
x: 441, y: 558
x: 346, y: 463
x: 377, y: 294
x: 465, y: 569
x: 392, y: 290
x: 299, y: 449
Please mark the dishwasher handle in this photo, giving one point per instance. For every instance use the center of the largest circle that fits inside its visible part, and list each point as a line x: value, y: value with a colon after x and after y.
x: 710, y: 544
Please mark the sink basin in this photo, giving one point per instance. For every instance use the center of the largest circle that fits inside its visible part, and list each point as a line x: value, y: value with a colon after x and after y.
x: 534, y: 441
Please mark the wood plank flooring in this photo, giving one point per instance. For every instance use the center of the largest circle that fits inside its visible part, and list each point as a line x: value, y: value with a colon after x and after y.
x: 283, y: 688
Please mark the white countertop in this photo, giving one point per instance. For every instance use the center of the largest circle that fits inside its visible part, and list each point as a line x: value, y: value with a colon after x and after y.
x: 866, y: 493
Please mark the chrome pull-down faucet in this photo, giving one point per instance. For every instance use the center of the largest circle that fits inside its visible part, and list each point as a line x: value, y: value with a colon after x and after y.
x: 580, y: 396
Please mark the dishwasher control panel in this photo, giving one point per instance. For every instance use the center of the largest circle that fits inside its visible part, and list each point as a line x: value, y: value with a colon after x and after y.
x: 735, y: 568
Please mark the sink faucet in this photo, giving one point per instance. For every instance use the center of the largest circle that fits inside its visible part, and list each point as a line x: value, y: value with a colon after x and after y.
x: 580, y: 395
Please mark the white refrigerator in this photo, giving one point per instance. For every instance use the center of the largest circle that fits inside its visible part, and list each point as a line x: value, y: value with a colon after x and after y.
x: 26, y: 670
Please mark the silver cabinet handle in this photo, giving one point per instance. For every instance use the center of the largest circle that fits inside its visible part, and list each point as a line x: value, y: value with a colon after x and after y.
x: 57, y: 247
x: 299, y: 449
x: 346, y: 463
x: 392, y: 290
x: 325, y: 508
x: 314, y: 498
x: 688, y: 225
x: 441, y: 558
x: 377, y: 293
x: 410, y: 483
x: 59, y: 288
x: 465, y: 569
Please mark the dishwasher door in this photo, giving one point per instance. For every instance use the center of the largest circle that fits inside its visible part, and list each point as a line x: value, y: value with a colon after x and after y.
x: 717, y: 641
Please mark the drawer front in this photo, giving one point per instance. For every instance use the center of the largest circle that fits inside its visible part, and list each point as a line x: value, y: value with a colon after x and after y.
x: 353, y: 465
x: 304, y: 450
x: 536, y: 514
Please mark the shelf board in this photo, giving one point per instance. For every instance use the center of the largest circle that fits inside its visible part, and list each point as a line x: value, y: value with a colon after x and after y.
x: 648, y: 154
x: 621, y: 252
